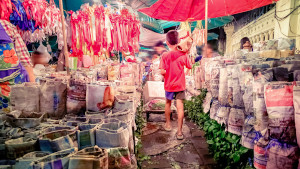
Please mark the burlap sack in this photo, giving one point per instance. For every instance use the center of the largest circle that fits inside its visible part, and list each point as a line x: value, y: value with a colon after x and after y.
x: 53, y: 98
x: 89, y: 158
x: 26, y: 97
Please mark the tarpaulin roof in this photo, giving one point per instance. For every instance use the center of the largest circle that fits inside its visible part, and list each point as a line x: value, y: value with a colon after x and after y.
x: 212, y: 23
x: 182, y: 10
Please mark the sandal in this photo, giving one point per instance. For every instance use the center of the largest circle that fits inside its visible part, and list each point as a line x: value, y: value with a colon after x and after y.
x: 167, y: 129
x: 179, y: 137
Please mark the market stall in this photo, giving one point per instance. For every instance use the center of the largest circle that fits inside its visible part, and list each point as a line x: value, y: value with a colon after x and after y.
x: 84, y: 118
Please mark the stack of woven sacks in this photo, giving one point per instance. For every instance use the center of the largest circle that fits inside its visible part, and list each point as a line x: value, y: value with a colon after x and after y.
x: 258, y: 98
x: 85, y: 120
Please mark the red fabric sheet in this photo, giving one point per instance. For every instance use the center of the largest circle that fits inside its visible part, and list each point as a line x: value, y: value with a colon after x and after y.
x: 182, y: 10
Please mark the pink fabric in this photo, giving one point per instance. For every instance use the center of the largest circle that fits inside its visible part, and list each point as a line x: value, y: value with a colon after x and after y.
x: 182, y: 10
x: 173, y: 62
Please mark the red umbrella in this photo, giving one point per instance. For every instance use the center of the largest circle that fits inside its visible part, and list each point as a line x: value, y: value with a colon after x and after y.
x: 182, y: 10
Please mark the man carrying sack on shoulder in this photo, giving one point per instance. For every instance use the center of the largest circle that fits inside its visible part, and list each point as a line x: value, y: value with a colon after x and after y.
x: 172, y: 68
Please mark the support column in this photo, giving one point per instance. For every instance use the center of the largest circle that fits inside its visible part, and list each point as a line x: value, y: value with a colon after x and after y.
x: 229, y: 28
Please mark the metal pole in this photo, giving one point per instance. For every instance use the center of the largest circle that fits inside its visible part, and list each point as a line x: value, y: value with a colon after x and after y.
x: 65, y: 36
x: 206, y: 14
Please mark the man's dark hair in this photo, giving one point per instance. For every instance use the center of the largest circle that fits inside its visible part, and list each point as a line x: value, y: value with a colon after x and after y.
x: 172, y: 37
x: 160, y: 44
x: 243, y: 41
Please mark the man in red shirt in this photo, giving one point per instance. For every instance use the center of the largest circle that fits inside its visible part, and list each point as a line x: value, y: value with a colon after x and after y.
x: 172, y: 68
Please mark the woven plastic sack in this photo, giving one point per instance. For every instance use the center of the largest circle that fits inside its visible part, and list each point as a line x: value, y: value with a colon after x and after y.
x: 236, y: 120
x: 249, y: 135
x: 53, y: 98
x: 259, y: 105
x: 25, y: 161
x: 207, y: 102
x: 279, y: 103
x: 25, y: 97
x: 99, y: 97
x: 86, y: 136
x: 126, y: 74
x: 271, y: 45
x: 112, y: 133
x: 113, y: 71
x: 101, y: 72
x: 237, y: 94
x: 296, y: 101
x: 223, y: 87
x: 222, y: 115
x: 197, y: 77
x: 261, y: 154
x: 89, y: 158
x: 16, y: 148
x: 286, y: 44
x: 282, y: 156
x: 58, y: 140
x: 246, y: 82
x: 297, y: 75
x: 76, y: 97
x: 119, y: 158
x: 156, y: 74
x: 58, y: 160
x: 230, y: 84
x: 25, y: 120
x: 214, y: 80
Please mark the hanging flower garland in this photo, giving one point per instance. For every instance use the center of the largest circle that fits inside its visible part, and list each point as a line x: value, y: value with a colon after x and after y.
x: 19, y: 17
x: 98, y: 29
x: 5, y: 9
x: 35, y: 10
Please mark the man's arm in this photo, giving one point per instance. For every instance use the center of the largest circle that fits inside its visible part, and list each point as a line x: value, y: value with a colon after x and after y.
x: 188, y: 62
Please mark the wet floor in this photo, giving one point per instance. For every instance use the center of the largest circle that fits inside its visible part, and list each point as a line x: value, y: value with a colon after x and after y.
x: 166, y: 151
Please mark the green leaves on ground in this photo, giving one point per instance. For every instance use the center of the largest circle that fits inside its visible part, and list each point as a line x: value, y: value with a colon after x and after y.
x: 225, y: 146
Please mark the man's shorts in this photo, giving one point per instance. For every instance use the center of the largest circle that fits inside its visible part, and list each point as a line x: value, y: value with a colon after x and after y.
x: 175, y: 95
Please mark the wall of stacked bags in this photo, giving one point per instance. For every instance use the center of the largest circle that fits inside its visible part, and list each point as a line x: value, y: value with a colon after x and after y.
x: 85, y: 120
x: 257, y: 95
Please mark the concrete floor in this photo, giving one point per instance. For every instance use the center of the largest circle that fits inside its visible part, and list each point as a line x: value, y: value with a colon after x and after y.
x: 166, y: 151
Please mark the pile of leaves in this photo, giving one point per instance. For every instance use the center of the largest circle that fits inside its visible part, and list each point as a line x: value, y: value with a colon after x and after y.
x: 225, y: 146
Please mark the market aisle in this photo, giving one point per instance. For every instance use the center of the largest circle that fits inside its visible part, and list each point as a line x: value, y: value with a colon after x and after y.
x: 167, y: 152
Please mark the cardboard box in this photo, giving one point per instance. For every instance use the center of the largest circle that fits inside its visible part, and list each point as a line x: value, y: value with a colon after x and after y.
x: 153, y: 90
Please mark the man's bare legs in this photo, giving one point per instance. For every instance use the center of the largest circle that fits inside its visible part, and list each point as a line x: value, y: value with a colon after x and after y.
x: 168, y: 113
x: 180, y: 112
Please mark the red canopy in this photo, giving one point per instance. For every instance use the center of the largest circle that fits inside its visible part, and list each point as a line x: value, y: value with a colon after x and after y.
x: 182, y: 10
